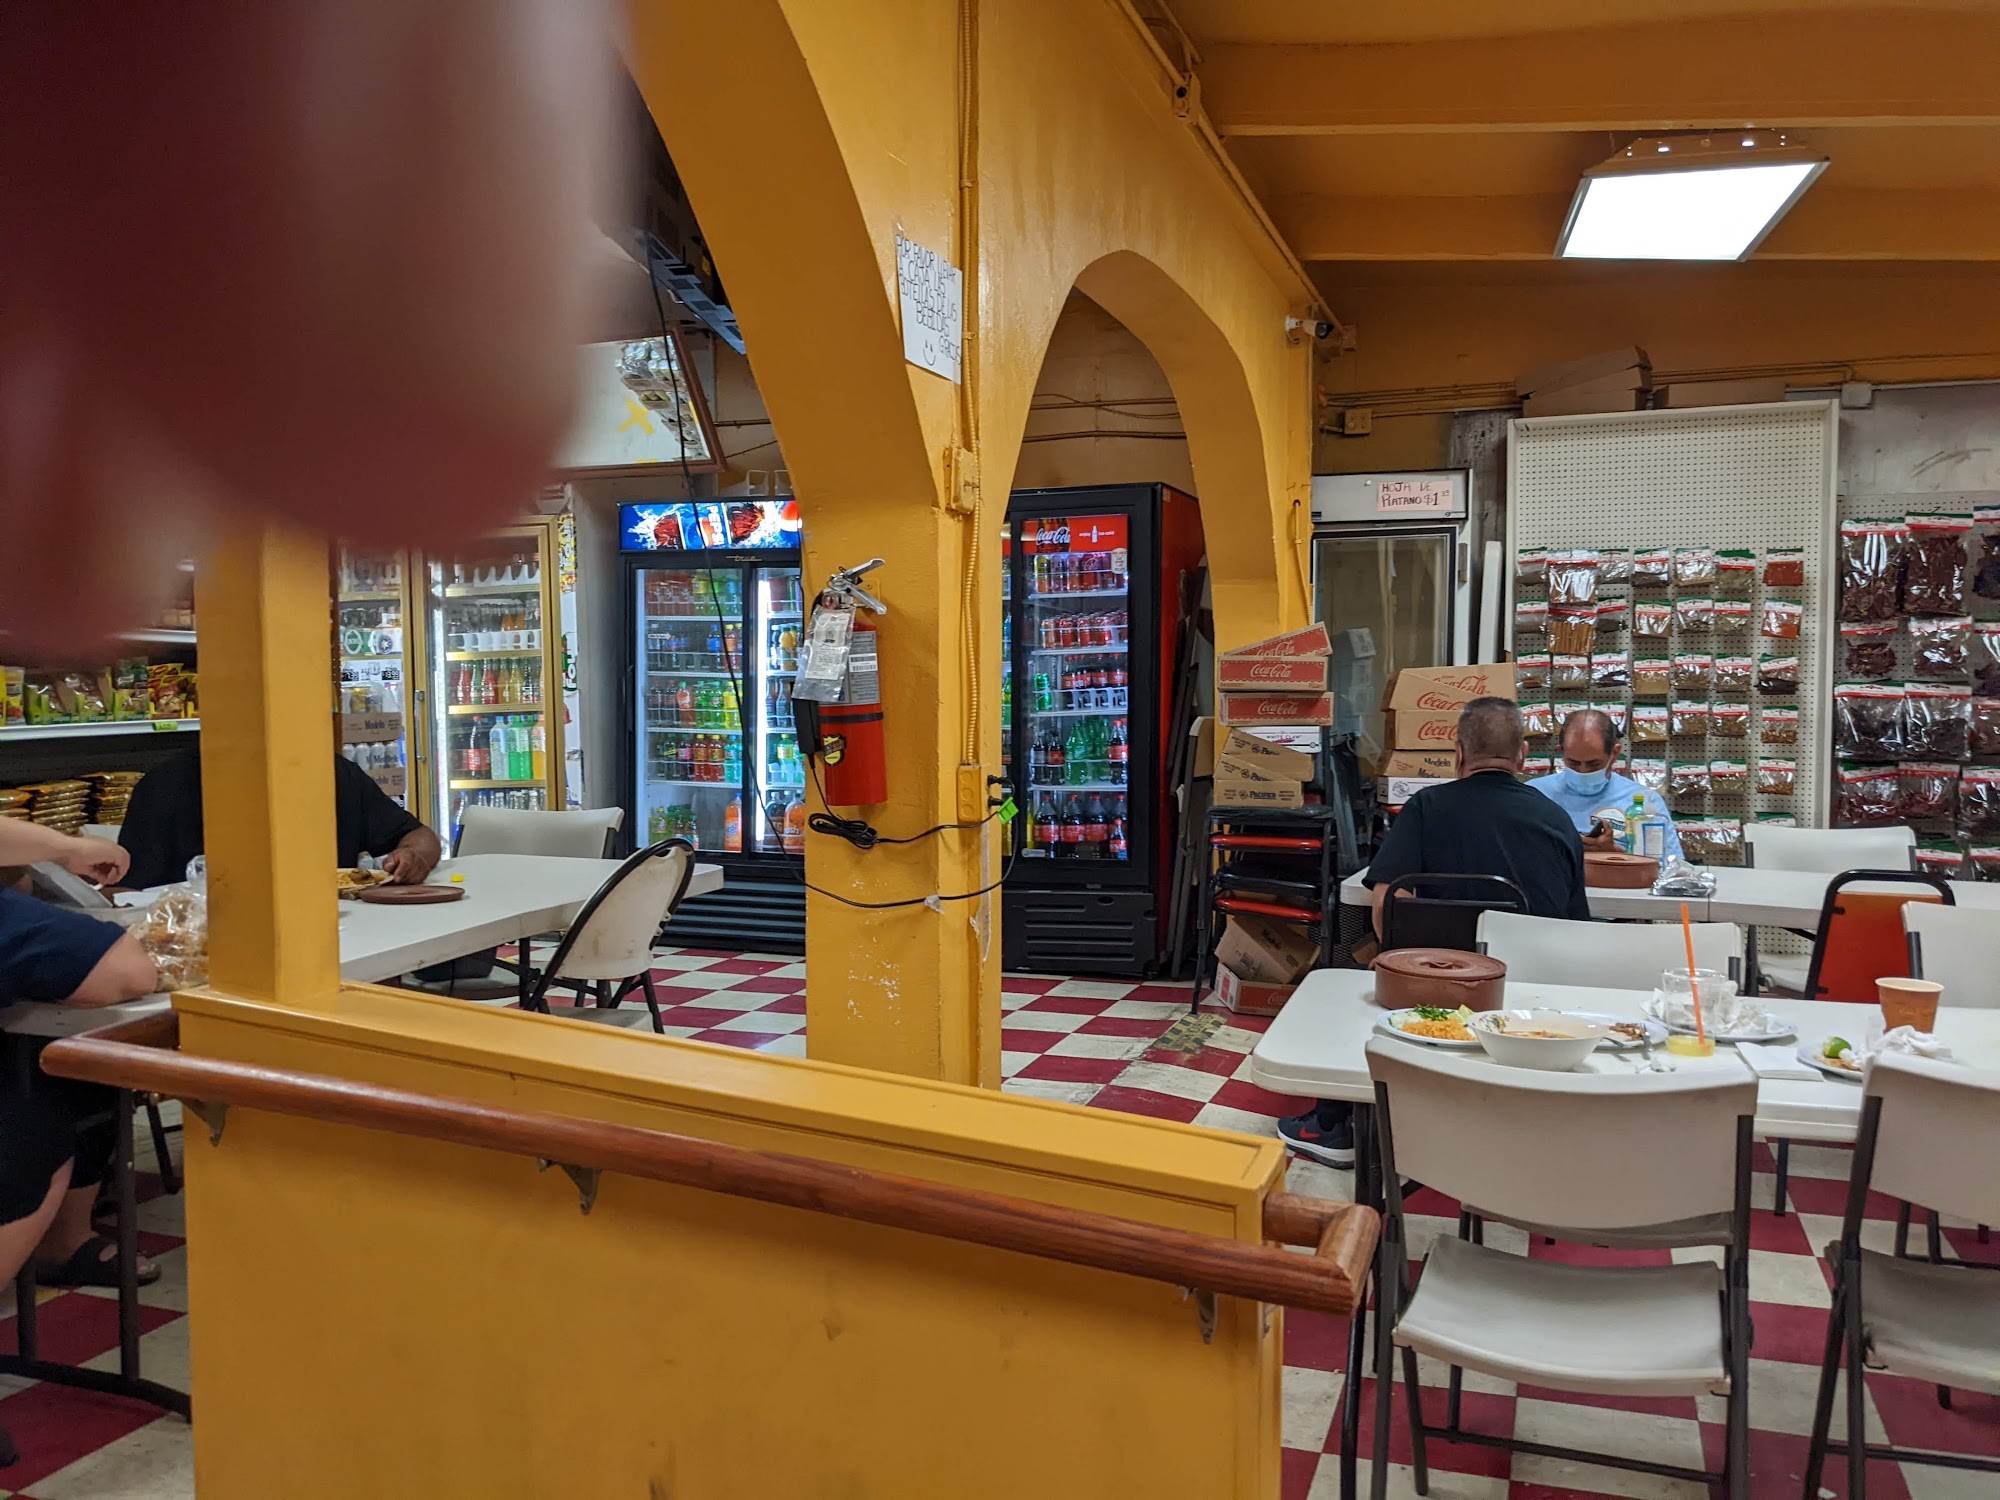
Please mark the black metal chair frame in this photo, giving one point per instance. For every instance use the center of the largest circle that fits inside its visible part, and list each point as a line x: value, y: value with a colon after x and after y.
x: 1398, y: 908
x: 1846, y: 1343
x: 1829, y: 908
x: 1323, y: 823
x: 1392, y: 1289
x: 607, y: 998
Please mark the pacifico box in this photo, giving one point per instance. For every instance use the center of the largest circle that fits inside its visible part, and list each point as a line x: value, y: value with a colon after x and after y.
x: 1435, y: 688
x: 1419, y: 729
x: 1281, y: 796
x: 1272, y: 674
x: 1312, y: 641
x: 1433, y: 765
x: 1267, y: 757
x: 1265, y: 951
x: 1276, y: 708
x: 1247, y: 997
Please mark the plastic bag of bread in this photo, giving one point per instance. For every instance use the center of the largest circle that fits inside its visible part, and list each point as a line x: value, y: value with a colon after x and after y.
x: 174, y: 931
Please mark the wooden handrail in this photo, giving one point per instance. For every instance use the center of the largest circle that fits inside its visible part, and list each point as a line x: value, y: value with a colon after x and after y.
x: 140, y: 1055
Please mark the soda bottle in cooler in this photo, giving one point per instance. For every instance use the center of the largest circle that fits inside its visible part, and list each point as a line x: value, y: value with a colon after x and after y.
x: 1071, y: 843
x: 1118, y: 752
x: 732, y: 826
x: 1115, y: 845
x: 683, y: 705
x: 1093, y: 828
x: 684, y: 756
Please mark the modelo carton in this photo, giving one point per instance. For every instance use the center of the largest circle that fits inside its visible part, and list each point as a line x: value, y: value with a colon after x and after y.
x: 1434, y: 765
x: 1276, y: 708
x: 1272, y: 674
x: 1432, y: 688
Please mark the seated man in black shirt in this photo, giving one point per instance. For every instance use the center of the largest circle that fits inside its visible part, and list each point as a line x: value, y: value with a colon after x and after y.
x: 163, y: 824
x: 1487, y: 822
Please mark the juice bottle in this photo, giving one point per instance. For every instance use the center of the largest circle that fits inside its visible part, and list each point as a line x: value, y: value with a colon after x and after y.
x: 795, y: 826
x: 732, y: 826
x: 538, y: 750
x: 684, y: 704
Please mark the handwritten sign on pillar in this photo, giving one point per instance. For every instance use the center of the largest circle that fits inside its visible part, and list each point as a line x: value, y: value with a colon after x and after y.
x: 932, y: 292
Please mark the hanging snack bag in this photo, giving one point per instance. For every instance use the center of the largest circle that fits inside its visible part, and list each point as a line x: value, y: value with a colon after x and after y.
x: 1564, y: 707
x: 1986, y: 659
x: 1652, y: 567
x: 1871, y: 569
x: 1985, y: 862
x: 1979, y: 802
x: 1778, y: 819
x: 1783, y: 618
x: 1652, y: 676
x: 1687, y: 780
x: 1729, y: 720
x: 1778, y: 726
x: 1694, y: 567
x: 1729, y: 777
x: 1689, y: 716
x: 1778, y: 676
x: 1938, y: 721
x: 1614, y: 565
x: 1941, y: 647
x: 1620, y: 717
x: 1865, y: 796
x: 1735, y: 674
x: 1572, y: 629
x: 1982, y: 726
x: 1531, y: 619
x: 1732, y: 616
x: 1868, y: 652
x: 1986, y: 560
x: 1694, y: 672
x: 1531, y: 568
x: 1713, y: 841
x: 1927, y: 791
x: 1531, y: 673
x: 1785, y: 568
x: 1538, y: 719
x: 1934, y: 566
x: 1652, y: 622
x: 1613, y: 615
x: 1694, y: 612
x: 1735, y: 572
x: 1940, y: 859
x: 1572, y: 578
x: 1650, y: 772
x: 1569, y: 674
x: 1611, y: 671
x: 1777, y: 778
x: 1536, y: 765
x: 1868, y: 720
x: 1650, y: 724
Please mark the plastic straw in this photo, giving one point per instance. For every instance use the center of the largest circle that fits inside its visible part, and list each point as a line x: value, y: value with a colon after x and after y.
x: 1694, y: 988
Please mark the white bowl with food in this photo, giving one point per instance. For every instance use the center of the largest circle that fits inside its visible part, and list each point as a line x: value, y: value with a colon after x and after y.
x: 1545, y: 1039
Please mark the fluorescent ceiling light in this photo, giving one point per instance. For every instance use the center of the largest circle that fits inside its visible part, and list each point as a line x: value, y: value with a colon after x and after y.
x: 1685, y: 199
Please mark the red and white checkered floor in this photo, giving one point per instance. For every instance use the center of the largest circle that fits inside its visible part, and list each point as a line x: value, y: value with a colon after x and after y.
x: 1093, y: 1042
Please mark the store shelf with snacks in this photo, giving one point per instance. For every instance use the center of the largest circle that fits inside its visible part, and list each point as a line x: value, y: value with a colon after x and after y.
x: 97, y: 726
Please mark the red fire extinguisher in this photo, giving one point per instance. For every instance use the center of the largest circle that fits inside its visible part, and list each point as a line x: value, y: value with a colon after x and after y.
x: 857, y: 770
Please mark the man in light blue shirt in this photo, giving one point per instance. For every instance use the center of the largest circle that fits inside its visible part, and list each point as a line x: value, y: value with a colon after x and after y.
x: 1586, y: 786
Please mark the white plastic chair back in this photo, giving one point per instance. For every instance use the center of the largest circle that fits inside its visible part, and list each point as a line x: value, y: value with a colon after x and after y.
x: 612, y: 938
x: 1614, y: 955
x: 1958, y: 951
x: 1828, y: 851
x: 1933, y: 1146
x: 1585, y: 1150
x: 576, y: 834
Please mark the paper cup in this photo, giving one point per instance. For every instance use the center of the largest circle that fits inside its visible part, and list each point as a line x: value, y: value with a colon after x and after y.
x: 1908, y: 1002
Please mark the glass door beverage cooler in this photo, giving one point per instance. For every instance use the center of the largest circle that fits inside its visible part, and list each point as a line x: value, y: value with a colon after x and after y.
x: 374, y: 672
x: 1089, y: 633
x: 491, y: 703
x: 715, y: 607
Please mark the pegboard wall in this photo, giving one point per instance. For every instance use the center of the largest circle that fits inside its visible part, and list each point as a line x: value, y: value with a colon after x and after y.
x: 1729, y: 477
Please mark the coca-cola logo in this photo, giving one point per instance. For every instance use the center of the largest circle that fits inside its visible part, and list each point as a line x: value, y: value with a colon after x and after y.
x: 1271, y: 671
x: 1436, y: 700
x: 1438, y: 732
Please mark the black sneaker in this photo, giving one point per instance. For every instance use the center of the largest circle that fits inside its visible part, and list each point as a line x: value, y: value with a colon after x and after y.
x: 1333, y: 1144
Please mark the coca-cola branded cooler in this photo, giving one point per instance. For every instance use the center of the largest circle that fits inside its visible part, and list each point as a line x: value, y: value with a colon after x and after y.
x: 1089, y: 637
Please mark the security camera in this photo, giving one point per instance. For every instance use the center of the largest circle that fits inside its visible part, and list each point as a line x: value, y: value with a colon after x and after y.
x: 1319, y: 328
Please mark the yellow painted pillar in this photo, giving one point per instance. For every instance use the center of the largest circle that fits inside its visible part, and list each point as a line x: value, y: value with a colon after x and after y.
x: 266, y: 772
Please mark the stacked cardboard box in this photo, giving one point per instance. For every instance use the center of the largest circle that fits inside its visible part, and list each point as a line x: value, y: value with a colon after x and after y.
x: 1422, y: 727
x: 1251, y: 771
x: 1258, y: 964
x: 1616, y: 380
x: 1280, y: 681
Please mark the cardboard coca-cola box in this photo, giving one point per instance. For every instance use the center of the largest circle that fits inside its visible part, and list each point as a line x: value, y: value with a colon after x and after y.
x: 1312, y: 641
x: 1246, y: 709
x: 1418, y: 729
x: 1436, y: 688
x: 1272, y: 674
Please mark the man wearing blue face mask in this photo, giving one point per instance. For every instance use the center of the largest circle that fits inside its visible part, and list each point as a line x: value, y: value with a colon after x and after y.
x: 1586, y: 786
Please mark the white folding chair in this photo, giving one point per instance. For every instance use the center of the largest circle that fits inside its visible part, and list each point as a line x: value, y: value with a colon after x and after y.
x: 1613, y: 955
x: 1955, y: 946
x: 1820, y: 851
x: 1561, y: 1148
x: 1921, y: 1122
x: 611, y: 940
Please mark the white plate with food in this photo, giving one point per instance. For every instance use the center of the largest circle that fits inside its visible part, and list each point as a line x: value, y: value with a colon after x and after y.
x: 1553, y: 1040
x: 1430, y: 1026
x: 1835, y: 1057
x: 1627, y: 1032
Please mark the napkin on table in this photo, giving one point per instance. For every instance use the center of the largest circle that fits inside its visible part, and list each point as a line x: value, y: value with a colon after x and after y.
x: 1775, y: 1060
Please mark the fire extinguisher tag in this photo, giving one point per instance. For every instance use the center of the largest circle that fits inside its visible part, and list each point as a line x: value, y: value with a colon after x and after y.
x: 823, y: 657
x: 864, y: 676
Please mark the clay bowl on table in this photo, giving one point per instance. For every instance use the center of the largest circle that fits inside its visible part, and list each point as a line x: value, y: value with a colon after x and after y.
x: 1444, y: 977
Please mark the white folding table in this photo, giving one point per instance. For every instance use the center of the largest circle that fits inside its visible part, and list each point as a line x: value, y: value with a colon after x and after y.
x: 1629, y: 905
